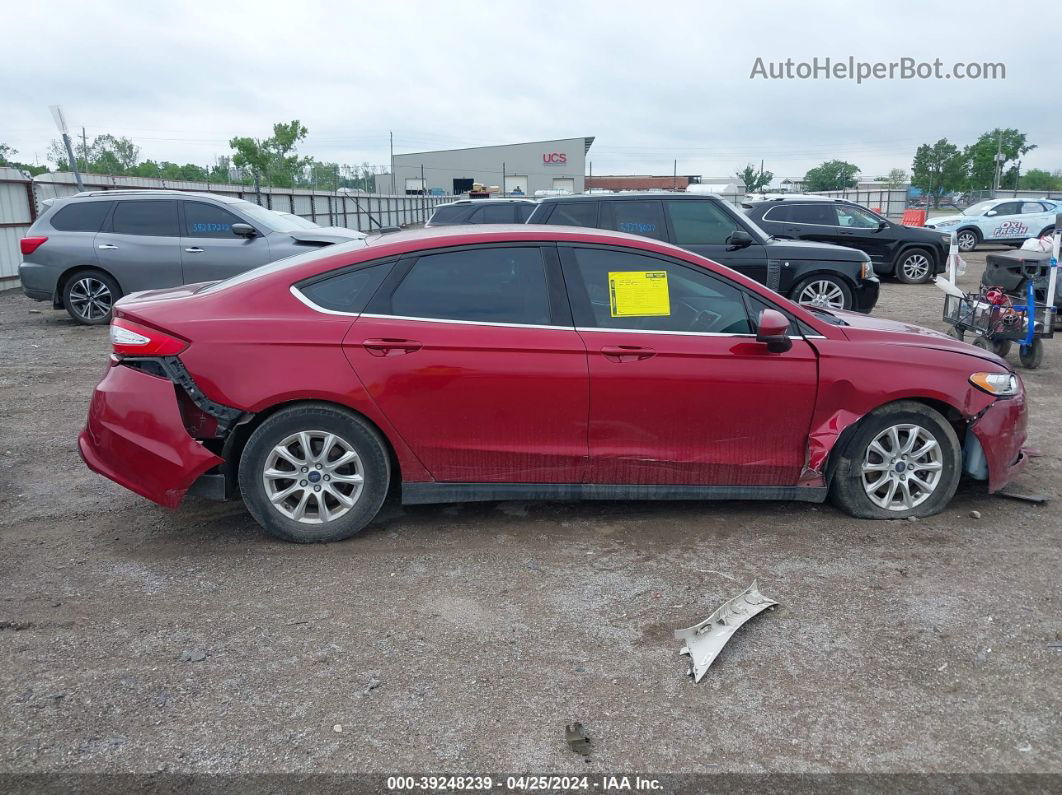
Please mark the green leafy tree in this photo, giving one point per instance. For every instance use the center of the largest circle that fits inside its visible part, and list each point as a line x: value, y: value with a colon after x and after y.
x: 895, y: 179
x: 273, y: 159
x: 938, y: 169
x: 107, y: 154
x: 6, y: 153
x: 754, y: 180
x: 1038, y: 179
x: 831, y: 175
x: 981, y: 157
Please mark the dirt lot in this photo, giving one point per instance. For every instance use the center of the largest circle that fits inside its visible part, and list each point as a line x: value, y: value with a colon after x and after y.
x: 463, y: 638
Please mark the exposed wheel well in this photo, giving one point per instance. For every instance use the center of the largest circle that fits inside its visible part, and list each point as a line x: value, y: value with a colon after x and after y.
x: 237, y: 440
x: 949, y: 413
x: 69, y: 273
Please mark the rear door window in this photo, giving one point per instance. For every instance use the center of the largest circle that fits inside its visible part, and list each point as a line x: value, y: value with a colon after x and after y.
x: 575, y: 214
x: 447, y: 215
x: 494, y: 214
x: 155, y: 218
x: 817, y: 214
x: 208, y: 220
x: 487, y: 285
x: 81, y: 216
x: 645, y: 218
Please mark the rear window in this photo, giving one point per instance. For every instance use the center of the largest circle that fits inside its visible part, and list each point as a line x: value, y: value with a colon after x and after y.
x: 493, y: 214
x: 523, y: 212
x: 347, y: 292
x: 81, y: 216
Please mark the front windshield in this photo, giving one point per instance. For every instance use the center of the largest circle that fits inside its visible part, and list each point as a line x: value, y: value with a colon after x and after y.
x: 979, y: 209
x: 273, y: 221
x: 299, y: 221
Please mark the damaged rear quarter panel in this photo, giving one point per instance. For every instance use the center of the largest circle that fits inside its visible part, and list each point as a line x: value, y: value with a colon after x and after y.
x: 853, y: 382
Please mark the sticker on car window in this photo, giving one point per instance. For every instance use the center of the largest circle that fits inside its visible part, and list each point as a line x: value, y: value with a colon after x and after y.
x: 639, y: 294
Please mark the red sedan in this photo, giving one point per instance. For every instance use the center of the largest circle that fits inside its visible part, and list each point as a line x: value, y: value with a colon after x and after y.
x: 461, y: 363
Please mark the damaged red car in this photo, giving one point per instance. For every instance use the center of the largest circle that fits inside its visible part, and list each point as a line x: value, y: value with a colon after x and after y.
x: 458, y: 364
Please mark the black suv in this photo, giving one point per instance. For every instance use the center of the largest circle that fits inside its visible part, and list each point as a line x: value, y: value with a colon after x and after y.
x: 482, y: 211
x: 808, y: 273
x: 911, y: 254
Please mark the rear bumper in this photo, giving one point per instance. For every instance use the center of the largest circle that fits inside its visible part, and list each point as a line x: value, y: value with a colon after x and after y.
x: 136, y: 437
x: 38, y: 281
x: 1001, y: 430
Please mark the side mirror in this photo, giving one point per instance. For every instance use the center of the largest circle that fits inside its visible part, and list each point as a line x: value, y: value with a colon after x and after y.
x: 243, y: 230
x: 990, y: 213
x: 882, y: 224
x: 773, y: 329
x: 739, y: 238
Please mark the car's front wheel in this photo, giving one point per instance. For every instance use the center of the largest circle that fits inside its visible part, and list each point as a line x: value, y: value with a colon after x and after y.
x: 914, y: 267
x: 967, y: 240
x: 89, y: 297
x: 314, y: 473
x: 824, y: 290
x: 903, y: 460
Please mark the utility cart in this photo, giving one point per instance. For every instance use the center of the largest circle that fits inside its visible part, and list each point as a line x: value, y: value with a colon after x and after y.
x: 1021, y: 312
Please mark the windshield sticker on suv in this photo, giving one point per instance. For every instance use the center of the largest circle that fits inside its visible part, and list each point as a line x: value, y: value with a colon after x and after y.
x: 1011, y: 229
x: 639, y: 293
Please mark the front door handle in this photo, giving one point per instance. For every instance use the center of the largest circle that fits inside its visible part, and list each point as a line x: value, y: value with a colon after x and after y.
x: 627, y: 353
x: 194, y: 250
x: 106, y: 247
x: 390, y: 346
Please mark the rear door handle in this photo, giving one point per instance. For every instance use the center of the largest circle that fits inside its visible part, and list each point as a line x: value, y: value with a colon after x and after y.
x: 627, y: 353
x: 390, y: 346
x: 194, y: 250
x: 106, y: 247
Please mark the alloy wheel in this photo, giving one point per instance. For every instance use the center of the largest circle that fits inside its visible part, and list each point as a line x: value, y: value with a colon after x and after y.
x: 90, y: 298
x: 313, y: 477
x: 916, y: 267
x: 822, y: 293
x: 967, y: 241
x: 902, y: 467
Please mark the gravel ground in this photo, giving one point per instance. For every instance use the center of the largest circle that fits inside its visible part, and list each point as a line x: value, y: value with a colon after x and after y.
x: 463, y: 638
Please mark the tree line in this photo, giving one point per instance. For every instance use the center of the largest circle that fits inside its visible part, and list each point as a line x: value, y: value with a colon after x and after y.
x: 268, y: 162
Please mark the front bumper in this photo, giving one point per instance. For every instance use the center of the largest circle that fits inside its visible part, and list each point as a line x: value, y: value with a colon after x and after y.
x: 1001, y: 430
x: 135, y: 436
x: 865, y: 295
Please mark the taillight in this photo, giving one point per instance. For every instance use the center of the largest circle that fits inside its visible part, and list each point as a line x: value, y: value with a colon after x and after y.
x: 31, y: 244
x: 133, y: 339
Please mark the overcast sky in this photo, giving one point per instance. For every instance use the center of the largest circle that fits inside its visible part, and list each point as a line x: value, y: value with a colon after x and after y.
x: 654, y: 82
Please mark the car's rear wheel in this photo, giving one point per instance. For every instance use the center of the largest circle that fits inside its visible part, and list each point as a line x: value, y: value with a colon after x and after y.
x: 967, y: 240
x: 89, y: 297
x: 915, y: 266
x: 824, y: 290
x: 903, y: 460
x: 314, y: 473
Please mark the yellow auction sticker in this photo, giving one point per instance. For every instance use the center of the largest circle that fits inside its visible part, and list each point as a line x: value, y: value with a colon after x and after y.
x: 639, y: 293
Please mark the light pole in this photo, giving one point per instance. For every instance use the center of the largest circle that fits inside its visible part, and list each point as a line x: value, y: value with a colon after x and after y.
x: 60, y: 122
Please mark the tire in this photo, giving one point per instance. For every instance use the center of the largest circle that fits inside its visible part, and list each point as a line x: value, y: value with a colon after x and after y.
x: 1050, y: 230
x: 968, y: 239
x: 914, y: 266
x: 940, y: 467
x: 315, y: 423
x: 984, y: 343
x: 825, y: 290
x: 1032, y: 355
x: 955, y: 332
x: 1001, y: 348
x: 89, y: 297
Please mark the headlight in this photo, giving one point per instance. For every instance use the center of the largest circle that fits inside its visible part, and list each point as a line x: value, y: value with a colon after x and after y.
x: 866, y: 270
x: 998, y: 384
x: 946, y: 239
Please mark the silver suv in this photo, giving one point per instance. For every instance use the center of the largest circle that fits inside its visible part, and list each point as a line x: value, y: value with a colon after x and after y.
x: 88, y: 250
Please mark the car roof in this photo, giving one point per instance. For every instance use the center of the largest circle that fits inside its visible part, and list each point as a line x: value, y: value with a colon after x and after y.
x: 149, y: 192
x: 611, y: 197
x: 499, y: 200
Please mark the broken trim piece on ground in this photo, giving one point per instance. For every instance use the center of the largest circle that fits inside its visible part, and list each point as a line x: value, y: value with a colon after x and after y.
x: 704, y: 641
